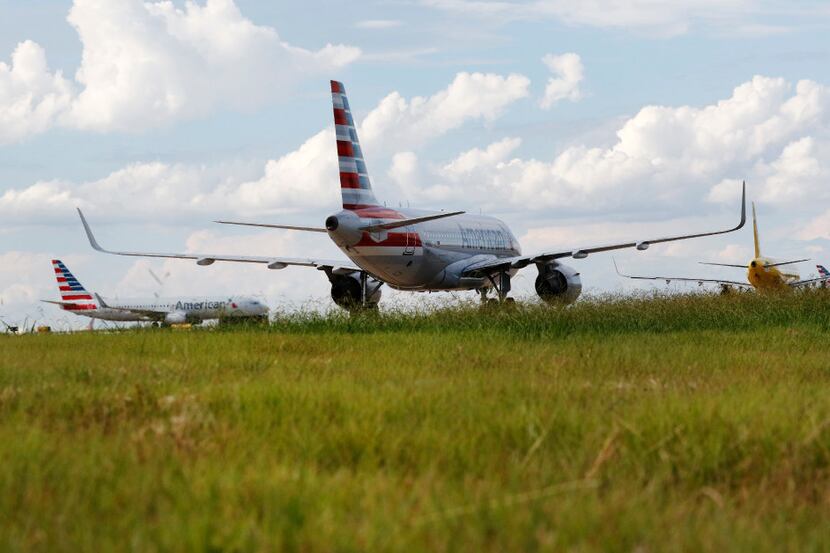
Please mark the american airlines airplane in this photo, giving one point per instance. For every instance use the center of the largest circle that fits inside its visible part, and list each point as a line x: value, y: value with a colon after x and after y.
x: 762, y: 273
x: 76, y: 299
x: 416, y: 250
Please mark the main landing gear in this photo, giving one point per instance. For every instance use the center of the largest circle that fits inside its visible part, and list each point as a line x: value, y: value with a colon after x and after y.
x: 367, y: 291
x: 501, y: 284
x: 354, y: 291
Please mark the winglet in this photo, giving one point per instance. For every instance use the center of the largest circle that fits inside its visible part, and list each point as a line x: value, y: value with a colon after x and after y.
x: 616, y: 268
x: 743, y: 207
x: 92, y: 241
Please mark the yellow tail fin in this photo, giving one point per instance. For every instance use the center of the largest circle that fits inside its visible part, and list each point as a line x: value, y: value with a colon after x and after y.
x: 755, y: 232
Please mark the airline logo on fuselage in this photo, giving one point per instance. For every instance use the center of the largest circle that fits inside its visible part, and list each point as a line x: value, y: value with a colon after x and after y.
x: 199, y: 305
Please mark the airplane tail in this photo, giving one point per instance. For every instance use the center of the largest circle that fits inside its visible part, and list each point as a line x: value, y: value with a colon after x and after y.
x: 355, y: 186
x: 822, y: 271
x: 74, y: 297
x: 755, y: 232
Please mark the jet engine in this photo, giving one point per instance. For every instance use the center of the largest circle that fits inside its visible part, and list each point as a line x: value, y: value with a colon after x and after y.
x: 345, y: 291
x: 558, y: 283
x: 175, y: 318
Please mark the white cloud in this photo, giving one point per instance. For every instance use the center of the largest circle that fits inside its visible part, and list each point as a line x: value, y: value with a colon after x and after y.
x: 564, y: 85
x: 30, y: 95
x: 817, y: 228
x: 405, y: 170
x: 768, y: 131
x: 146, y: 64
x: 734, y: 253
x: 304, y: 180
x: 799, y: 173
x: 657, y: 18
x: 378, y: 24
x: 398, y: 123
x: 669, y: 155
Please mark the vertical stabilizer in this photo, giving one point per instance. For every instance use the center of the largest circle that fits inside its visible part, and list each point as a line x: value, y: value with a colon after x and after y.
x: 755, y: 232
x: 74, y: 297
x: 354, y: 178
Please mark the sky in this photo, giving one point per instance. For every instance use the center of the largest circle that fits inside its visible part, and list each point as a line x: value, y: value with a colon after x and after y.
x: 577, y: 123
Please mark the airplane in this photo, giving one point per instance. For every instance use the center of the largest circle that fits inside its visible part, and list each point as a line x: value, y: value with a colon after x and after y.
x: 76, y: 299
x: 824, y: 273
x: 415, y: 250
x: 762, y: 273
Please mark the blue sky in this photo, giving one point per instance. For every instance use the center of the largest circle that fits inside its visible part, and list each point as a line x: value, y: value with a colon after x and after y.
x: 158, y: 117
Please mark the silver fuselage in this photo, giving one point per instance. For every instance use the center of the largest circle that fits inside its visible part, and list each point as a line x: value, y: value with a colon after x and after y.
x: 184, y: 309
x: 427, y: 256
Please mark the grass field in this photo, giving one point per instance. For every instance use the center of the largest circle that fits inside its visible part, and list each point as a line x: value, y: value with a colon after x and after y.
x: 650, y: 424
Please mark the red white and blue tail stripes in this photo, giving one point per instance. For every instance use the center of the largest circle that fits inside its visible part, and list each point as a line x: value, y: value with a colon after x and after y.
x: 73, y: 294
x: 354, y: 178
x: 822, y: 272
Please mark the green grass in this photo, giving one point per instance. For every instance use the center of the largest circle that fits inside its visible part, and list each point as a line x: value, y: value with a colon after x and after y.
x: 655, y: 424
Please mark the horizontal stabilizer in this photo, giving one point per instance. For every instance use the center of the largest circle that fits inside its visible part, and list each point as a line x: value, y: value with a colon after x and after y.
x: 723, y: 264
x: 406, y: 222
x: 779, y: 264
x: 265, y: 225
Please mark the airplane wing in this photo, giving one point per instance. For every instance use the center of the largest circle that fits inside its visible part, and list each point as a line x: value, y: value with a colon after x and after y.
x: 517, y: 262
x: 809, y: 281
x: 684, y: 279
x: 274, y: 262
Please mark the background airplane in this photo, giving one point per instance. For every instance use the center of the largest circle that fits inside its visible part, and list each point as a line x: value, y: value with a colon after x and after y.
x: 76, y: 299
x: 762, y: 273
x: 823, y: 273
x: 415, y: 250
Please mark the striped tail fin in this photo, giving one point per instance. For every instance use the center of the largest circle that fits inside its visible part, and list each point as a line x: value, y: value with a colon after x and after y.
x: 74, y: 297
x: 822, y: 271
x: 355, y: 186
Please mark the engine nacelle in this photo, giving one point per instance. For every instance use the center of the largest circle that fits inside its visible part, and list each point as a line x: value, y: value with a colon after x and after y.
x: 346, y: 292
x: 175, y: 318
x: 558, y: 283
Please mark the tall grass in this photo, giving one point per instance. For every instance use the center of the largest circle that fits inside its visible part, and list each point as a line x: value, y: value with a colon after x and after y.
x: 608, y: 313
x: 665, y: 423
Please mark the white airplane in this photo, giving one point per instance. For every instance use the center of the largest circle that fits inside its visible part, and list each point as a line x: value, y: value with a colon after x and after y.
x: 76, y: 299
x: 416, y: 250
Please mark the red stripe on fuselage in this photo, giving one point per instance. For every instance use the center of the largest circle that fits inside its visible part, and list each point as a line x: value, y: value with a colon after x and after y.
x: 393, y: 240
x: 81, y: 307
x: 374, y: 212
